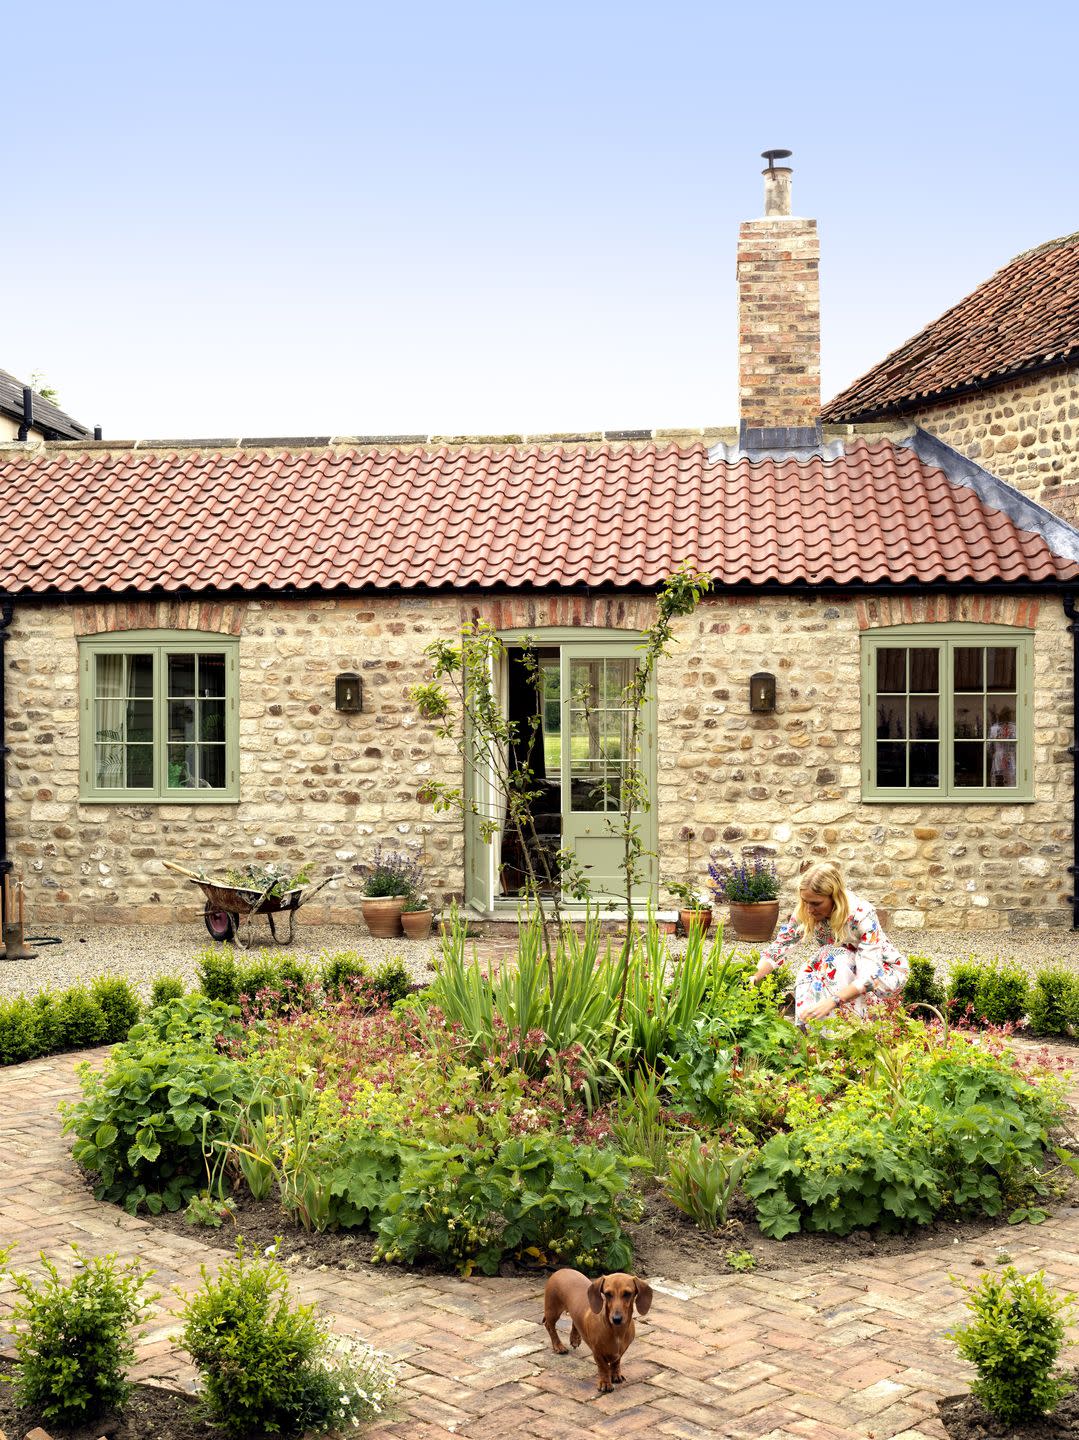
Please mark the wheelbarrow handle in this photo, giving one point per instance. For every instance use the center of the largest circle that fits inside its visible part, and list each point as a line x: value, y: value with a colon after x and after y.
x: 328, y: 881
x: 181, y: 871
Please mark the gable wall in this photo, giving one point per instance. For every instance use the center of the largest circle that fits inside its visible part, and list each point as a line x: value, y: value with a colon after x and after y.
x: 1026, y: 432
x: 322, y: 787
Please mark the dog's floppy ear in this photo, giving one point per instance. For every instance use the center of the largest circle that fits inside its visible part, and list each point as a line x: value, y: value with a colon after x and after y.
x: 595, y: 1295
x: 644, y: 1295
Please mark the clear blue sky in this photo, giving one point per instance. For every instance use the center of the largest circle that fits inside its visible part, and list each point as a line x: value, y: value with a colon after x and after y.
x: 264, y: 219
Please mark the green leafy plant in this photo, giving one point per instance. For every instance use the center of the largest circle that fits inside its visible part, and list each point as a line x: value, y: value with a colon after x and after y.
x: 166, y: 988
x: 962, y: 988
x: 76, y: 1339
x: 210, y: 1210
x: 416, y: 904
x: 271, y: 880
x: 703, y: 1179
x: 118, y: 1003
x: 1003, y: 995
x: 741, y: 1260
x: 1014, y: 1341
x: 390, y: 982
x: 641, y: 1128
x: 268, y: 1365
x: 1053, y: 1008
x: 923, y: 987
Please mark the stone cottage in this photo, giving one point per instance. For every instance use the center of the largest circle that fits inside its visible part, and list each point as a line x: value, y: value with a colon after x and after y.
x: 176, y: 618
x: 996, y: 377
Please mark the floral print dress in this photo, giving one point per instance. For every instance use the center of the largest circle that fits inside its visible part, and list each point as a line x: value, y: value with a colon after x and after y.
x: 862, y: 955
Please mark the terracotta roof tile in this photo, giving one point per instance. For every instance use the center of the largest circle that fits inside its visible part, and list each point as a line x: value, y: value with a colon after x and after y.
x: 1024, y: 317
x: 481, y: 516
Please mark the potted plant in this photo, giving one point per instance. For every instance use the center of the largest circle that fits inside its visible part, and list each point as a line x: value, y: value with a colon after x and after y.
x: 388, y: 882
x: 416, y: 916
x: 692, y: 909
x: 750, y: 887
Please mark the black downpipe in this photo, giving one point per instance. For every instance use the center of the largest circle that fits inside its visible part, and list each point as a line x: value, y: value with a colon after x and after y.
x: 6, y: 612
x: 1073, y: 751
x: 27, y: 413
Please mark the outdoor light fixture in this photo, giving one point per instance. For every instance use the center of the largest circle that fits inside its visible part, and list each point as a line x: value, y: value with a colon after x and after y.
x: 348, y: 693
x: 762, y: 693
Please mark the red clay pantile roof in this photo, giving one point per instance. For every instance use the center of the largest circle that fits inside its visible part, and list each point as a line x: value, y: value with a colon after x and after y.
x: 1024, y: 317
x: 473, y: 515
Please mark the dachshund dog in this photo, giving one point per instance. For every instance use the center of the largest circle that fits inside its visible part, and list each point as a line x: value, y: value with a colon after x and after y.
x: 602, y: 1315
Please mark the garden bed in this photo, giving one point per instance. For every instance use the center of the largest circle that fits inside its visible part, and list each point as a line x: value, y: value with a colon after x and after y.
x: 151, y: 1411
x: 965, y: 1418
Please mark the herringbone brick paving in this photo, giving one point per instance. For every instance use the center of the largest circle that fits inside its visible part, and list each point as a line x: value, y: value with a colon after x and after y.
x: 852, y: 1350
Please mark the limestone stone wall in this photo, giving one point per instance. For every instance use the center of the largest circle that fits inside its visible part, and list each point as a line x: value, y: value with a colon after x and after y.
x: 324, y: 787
x: 1026, y: 432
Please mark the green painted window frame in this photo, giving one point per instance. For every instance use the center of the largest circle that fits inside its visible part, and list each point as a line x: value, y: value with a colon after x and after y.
x: 946, y: 638
x: 160, y: 644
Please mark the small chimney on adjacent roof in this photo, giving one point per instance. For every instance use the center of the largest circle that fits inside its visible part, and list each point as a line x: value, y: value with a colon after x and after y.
x: 778, y: 320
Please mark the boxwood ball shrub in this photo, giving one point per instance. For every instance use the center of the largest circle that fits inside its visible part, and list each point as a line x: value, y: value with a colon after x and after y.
x: 1053, y: 1007
x: 166, y: 988
x: 75, y: 1338
x: 923, y: 987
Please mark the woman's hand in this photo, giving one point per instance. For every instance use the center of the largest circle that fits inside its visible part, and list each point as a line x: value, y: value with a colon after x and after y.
x: 820, y: 1011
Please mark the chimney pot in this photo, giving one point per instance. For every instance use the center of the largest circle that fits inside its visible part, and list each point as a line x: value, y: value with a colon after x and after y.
x: 777, y: 190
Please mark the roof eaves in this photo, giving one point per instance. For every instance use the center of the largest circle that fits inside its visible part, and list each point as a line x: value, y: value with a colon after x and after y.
x: 1061, y: 538
x: 836, y: 413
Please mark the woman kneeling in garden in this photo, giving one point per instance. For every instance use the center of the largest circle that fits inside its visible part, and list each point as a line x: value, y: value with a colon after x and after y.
x: 854, y: 962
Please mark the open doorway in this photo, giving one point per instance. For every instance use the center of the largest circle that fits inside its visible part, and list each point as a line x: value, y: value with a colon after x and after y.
x: 534, y: 708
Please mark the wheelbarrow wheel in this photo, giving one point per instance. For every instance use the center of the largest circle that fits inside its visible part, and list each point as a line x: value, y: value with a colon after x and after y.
x: 218, y: 922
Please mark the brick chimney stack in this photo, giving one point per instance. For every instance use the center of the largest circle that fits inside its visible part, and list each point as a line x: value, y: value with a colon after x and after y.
x: 778, y: 320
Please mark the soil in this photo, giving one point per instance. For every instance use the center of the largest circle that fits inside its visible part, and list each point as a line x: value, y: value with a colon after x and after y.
x: 151, y: 1411
x: 964, y: 1418
x: 665, y: 1242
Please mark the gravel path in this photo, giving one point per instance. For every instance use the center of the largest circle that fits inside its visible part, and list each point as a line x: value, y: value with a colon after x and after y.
x: 144, y: 952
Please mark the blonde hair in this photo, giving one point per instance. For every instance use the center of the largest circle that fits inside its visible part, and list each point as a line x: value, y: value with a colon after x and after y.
x: 824, y: 879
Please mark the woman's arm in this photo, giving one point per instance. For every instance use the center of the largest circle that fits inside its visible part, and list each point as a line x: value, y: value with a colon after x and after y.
x: 774, y: 955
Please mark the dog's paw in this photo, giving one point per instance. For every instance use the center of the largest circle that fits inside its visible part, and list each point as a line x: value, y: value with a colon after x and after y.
x: 559, y: 1349
x: 619, y: 1379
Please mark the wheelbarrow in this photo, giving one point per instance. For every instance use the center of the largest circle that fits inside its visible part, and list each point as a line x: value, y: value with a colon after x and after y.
x: 230, y: 909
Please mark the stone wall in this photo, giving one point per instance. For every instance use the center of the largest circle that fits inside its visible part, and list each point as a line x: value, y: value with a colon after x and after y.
x: 1025, y: 432
x: 324, y: 787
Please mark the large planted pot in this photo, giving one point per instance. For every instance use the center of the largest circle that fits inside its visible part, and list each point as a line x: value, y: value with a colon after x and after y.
x: 383, y: 915
x: 756, y: 921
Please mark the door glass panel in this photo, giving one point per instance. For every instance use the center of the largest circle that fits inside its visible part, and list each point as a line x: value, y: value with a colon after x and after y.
x: 600, y: 725
x: 552, y: 719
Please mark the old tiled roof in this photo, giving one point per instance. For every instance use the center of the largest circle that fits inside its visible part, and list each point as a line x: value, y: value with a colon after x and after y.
x: 472, y: 515
x: 48, y: 418
x: 1025, y: 317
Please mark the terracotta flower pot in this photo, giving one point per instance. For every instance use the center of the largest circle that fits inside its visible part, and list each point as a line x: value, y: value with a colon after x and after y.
x: 700, y: 917
x: 756, y: 921
x: 417, y: 923
x: 383, y: 915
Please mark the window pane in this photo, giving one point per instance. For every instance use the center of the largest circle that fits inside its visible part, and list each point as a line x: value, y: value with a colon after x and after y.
x: 109, y: 676
x: 925, y: 670
x: 181, y: 719
x: 924, y: 765
x: 968, y: 667
x: 891, y: 718
x: 891, y: 671
x: 212, y: 675
x: 1001, y: 717
x: 183, y: 767
x: 891, y: 763
x: 181, y: 675
x: 140, y: 679
x: 1002, y: 763
x: 140, y: 767
x: 109, y: 766
x: 924, y: 717
x: 1000, y: 667
x: 140, y: 720
x: 212, y: 766
x: 969, y: 717
x: 969, y: 763
x: 211, y: 719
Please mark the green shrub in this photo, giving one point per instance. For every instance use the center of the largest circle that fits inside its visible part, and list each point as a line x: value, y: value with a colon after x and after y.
x: 391, y: 982
x: 269, y: 1366
x: 80, y: 1020
x: 119, y: 1004
x: 47, y: 1019
x: 962, y: 988
x: 217, y: 974
x: 166, y: 988
x: 1003, y: 995
x: 341, y: 972
x: 77, y: 1340
x: 1014, y: 1341
x: 539, y: 1192
x: 222, y: 977
x: 162, y: 1101
x: 923, y: 987
x: 703, y: 1179
x: 1053, y: 1008
x: 19, y: 1031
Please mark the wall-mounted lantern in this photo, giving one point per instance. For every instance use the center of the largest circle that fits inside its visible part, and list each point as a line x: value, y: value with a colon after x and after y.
x: 348, y: 693
x: 762, y: 693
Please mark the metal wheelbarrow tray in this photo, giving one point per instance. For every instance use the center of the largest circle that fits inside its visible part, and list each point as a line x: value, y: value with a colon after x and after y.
x: 230, y: 909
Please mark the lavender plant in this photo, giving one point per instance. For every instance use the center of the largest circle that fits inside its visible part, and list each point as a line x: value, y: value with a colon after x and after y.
x: 392, y: 873
x: 746, y: 881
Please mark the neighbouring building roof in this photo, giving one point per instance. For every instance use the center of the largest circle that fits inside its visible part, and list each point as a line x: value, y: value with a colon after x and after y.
x: 1025, y: 317
x: 49, y: 419
x: 471, y: 515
